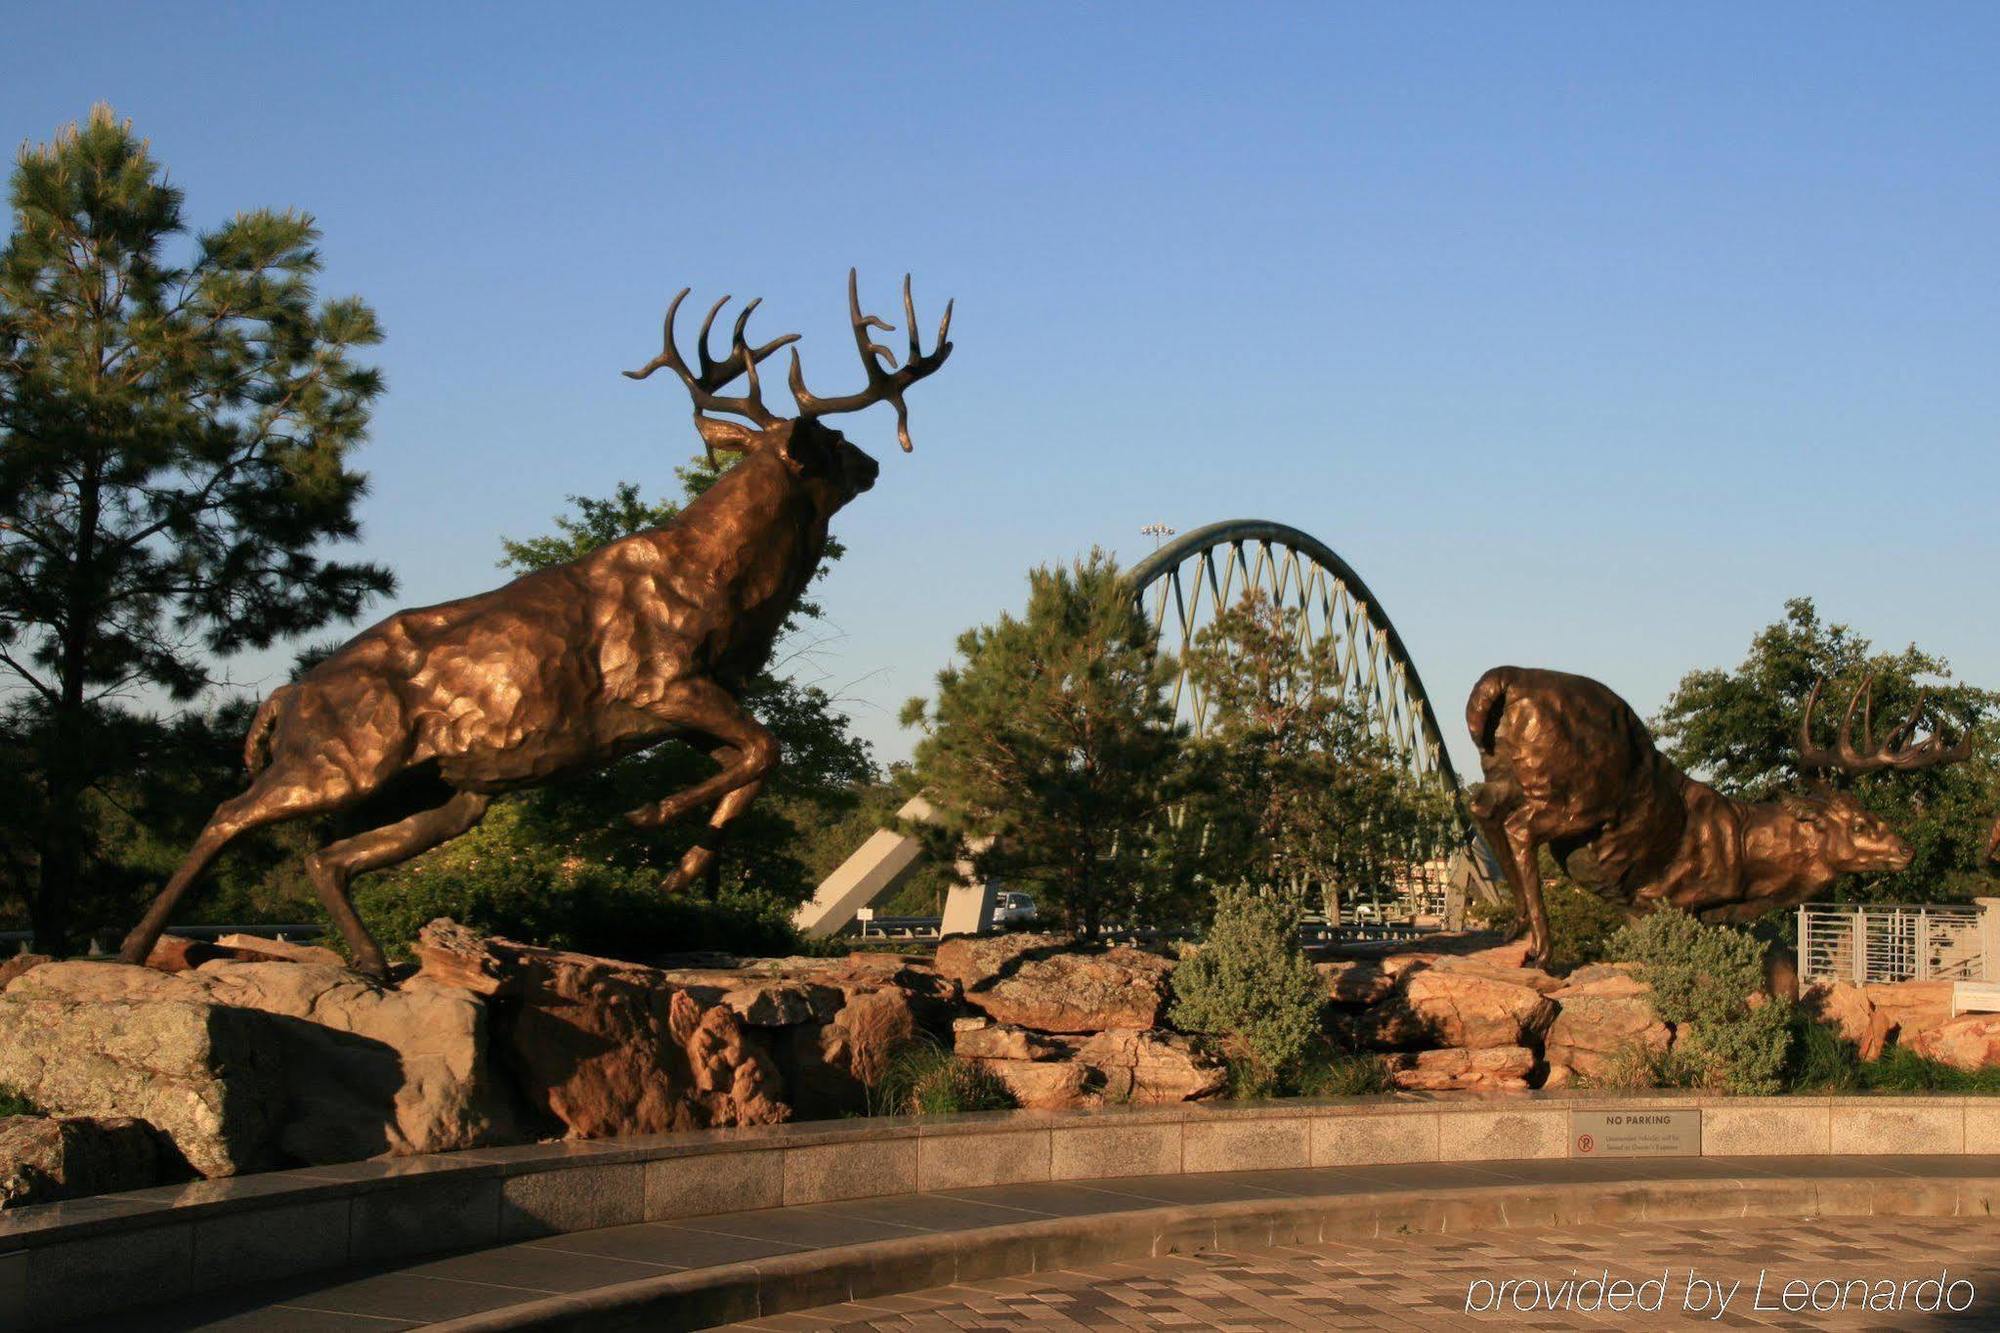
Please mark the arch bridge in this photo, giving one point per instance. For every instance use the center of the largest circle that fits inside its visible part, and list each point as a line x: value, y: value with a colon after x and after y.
x: 1182, y: 587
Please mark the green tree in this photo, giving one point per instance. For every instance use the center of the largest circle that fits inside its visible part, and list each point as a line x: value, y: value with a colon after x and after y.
x: 174, y: 444
x: 1300, y: 790
x: 1740, y: 731
x: 498, y: 876
x: 1052, y: 738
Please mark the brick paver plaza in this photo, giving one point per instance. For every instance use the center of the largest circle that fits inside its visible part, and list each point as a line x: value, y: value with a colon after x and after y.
x: 1432, y: 1282
x: 1393, y: 1278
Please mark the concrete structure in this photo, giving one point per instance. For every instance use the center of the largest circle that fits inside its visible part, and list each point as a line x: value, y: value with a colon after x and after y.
x: 877, y: 867
x: 1055, y: 1187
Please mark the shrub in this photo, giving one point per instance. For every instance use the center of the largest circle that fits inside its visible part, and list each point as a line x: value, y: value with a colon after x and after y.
x: 1251, y: 989
x: 1581, y: 924
x: 1702, y: 979
x: 923, y: 1078
x: 553, y: 895
x: 1822, y: 1060
x: 13, y: 1103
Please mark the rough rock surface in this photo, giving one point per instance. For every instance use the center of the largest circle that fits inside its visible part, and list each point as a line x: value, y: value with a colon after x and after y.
x: 602, y: 1047
x: 19, y: 963
x: 1592, y: 1029
x: 44, y: 1159
x: 984, y: 1039
x: 367, y: 1069
x: 1044, y: 1085
x: 243, y: 1065
x: 1148, y: 1068
x: 177, y: 953
x: 1356, y: 981
x: 1532, y: 977
x: 1441, y: 1008
x: 103, y: 1039
x: 1040, y: 982
x: 1909, y: 1007
x: 1493, y: 1069
x: 1120, y: 1066
x: 1848, y: 1009
x: 282, y: 950
x: 1872, y: 1016
x: 1971, y: 1041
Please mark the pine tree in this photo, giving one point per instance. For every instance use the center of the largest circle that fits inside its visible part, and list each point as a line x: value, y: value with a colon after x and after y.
x: 174, y: 440
x: 1053, y: 738
x: 1301, y: 793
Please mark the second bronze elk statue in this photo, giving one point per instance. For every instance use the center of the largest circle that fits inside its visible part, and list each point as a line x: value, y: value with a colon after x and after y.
x: 566, y: 669
x: 1571, y: 767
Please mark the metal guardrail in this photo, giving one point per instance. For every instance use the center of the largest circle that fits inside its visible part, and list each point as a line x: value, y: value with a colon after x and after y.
x: 1309, y: 934
x: 1872, y: 945
x: 102, y: 944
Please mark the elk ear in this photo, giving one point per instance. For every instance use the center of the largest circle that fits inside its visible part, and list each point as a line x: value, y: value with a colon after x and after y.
x: 804, y: 446
x: 1807, y: 808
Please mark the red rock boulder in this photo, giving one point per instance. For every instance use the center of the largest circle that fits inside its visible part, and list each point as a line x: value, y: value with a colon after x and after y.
x: 1049, y: 984
x: 608, y: 1048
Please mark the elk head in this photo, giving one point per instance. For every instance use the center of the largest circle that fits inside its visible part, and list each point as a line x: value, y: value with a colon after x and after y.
x: 820, y: 455
x: 1856, y: 839
x: 1848, y: 837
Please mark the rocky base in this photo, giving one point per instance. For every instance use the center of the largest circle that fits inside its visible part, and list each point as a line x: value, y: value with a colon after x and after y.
x: 46, y: 1159
x: 243, y: 1055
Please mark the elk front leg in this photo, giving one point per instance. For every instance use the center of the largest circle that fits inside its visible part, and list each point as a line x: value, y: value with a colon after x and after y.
x: 1514, y: 847
x: 749, y: 752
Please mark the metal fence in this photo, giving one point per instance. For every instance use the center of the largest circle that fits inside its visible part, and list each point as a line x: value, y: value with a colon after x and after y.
x: 1883, y: 944
x: 23, y: 941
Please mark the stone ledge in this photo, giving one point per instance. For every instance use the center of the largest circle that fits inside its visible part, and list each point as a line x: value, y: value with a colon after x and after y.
x: 386, y: 1210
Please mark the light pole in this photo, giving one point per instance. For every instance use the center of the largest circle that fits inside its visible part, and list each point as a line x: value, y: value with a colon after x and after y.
x: 1156, y: 531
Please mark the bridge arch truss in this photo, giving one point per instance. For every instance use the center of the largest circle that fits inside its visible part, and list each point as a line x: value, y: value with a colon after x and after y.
x: 1182, y: 586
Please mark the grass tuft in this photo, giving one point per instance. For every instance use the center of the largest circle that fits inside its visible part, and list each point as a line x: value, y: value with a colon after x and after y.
x: 924, y: 1078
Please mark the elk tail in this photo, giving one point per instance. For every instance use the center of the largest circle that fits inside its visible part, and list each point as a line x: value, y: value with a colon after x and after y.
x: 257, y: 745
x: 1483, y: 707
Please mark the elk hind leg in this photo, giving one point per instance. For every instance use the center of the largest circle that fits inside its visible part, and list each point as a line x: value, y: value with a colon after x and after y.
x: 334, y: 867
x: 274, y: 796
x: 698, y: 858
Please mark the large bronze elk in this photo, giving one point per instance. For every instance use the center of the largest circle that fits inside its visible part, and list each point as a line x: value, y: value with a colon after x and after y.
x: 440, y: 709
x: 1570, y: 766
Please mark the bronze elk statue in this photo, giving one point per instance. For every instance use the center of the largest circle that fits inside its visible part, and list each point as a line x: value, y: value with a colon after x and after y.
x: 1571, y: 767
x: 438, y: 710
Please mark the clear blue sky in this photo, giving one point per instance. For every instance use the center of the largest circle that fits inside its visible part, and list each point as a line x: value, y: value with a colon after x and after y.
x: 1587, y: 333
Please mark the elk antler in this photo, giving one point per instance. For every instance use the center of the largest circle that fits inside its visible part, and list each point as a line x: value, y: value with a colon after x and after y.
x: 884, y: 383
x: 1895, y: 751
x: 742, y: 360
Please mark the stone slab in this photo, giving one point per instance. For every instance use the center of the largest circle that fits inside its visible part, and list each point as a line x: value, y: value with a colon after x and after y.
x: 959, y: 1161
x: 1095, y: 1151
x: 281, y: 1241
x: 839, y: 1171
x: 1774, y: 1130
x: 1899, y: 1127
x: 1370, y: 1140
x: 713, y: 1183
x: 1482, y: 1135
x: 583, y: 1198
x: 1245, y: 1144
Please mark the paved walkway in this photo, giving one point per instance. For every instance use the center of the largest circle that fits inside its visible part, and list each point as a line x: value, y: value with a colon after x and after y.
x: 1434, y: 1282
x: 492, y: 1280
